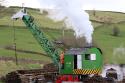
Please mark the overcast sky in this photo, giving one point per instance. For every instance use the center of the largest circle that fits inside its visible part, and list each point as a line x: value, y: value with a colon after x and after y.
x: 105, y: 5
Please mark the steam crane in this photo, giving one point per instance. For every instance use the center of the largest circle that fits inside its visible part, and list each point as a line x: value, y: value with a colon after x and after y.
x: 76, y: 62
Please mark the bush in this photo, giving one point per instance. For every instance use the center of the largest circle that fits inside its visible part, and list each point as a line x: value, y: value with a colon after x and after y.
x: 116, y: 31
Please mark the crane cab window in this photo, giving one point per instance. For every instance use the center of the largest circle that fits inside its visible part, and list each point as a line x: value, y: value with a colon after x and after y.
x: 90, y: 56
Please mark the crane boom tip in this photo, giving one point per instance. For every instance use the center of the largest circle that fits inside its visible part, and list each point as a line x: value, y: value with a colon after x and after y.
x: 19, y: 14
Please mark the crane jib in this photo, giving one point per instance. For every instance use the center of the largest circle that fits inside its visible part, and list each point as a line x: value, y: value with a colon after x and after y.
x: 41, y: 38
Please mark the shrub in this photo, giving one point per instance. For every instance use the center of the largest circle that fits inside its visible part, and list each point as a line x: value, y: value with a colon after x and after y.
x: 116, y: 31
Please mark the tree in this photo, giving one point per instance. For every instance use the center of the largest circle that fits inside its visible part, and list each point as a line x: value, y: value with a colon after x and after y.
x: 72, y: 41
x: 116, y: 31
x: 94, y: 12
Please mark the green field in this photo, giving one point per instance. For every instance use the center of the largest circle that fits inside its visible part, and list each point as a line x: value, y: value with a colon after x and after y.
x: 103, y: 23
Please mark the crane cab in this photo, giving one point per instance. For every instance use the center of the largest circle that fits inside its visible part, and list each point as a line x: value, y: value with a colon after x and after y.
x: 82, y: 61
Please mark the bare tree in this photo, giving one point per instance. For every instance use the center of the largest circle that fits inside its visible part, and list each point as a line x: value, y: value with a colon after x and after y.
x: 72, y: 41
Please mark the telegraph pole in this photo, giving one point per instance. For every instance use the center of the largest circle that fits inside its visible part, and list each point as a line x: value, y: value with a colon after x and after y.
x: 14, y: 40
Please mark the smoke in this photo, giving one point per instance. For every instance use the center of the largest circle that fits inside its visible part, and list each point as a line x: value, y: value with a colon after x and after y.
x: 72, y: 13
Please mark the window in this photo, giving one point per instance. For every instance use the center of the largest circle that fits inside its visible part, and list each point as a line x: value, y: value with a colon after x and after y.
x: 90, y: 56
x: 87, y: 56
x: 93, y: 56
x: 79, y: 61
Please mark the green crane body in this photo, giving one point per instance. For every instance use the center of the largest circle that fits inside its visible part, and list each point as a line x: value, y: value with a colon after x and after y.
x: 42, y: 40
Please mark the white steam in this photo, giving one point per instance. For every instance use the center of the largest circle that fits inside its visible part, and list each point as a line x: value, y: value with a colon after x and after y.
x: 72, y: 13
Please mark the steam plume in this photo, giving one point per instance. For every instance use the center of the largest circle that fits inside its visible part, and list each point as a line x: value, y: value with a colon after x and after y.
x: 72, y: 13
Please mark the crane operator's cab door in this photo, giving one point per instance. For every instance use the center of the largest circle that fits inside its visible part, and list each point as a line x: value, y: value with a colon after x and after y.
x: 77, y: 61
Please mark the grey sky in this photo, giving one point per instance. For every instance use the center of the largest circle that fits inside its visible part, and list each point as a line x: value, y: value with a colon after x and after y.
x: 105, y: 5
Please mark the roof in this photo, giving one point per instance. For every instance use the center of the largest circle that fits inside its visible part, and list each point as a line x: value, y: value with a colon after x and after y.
x: 75, y: 51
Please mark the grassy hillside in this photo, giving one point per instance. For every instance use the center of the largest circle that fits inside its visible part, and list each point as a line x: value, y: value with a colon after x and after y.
x: 6, y: 34
x: 110, y: 44
x: 41, y: 19
x: 103, y: 23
